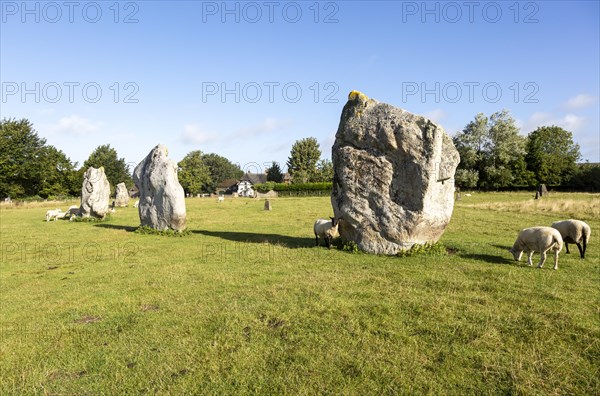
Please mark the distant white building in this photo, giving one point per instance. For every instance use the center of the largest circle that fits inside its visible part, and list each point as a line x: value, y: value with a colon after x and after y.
x: 245, y: 186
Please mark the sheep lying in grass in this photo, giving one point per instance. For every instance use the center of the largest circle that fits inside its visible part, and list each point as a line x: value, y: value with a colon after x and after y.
x: 537, y: 239
x: 52, y: 214
x: 326, y: 229
x: 574, y: 231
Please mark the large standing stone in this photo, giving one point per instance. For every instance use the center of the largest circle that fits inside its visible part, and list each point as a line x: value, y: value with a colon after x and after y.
x: 393, y: 183
x: 121, y: 195
x: 162, y: 200
x: 95, y: 193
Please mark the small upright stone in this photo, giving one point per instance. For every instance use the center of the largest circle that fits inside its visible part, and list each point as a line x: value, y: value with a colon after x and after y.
x: 95, y: 193
x: 162, y: 199
x: 393, y: 183
x: 267, y: 204
x: 121, y: 196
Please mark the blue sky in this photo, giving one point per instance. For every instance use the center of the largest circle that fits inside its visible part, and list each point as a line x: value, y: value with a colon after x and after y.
x: 247, y: 79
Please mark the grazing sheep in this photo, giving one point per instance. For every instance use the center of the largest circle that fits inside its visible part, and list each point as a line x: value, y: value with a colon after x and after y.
x: 326, y: 229
x: 72, y: 211
x: 51, y: 214
x: 537, y: 239
x: 136, y: 204
x: 221, y: 199
x: 574, y: 231
x: 60, y: 215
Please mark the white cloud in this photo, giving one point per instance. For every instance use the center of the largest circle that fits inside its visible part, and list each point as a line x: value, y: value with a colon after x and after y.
x: 580, y: 101
x: 193, y: 134
x: 76, y: 125
x: 436, y: 115
x: 267, y: 126
x: 570, y: 122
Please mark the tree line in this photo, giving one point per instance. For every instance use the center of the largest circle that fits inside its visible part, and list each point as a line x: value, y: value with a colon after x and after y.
x: 29, y: 167
x: 493, y: 155
x: 492, y: 151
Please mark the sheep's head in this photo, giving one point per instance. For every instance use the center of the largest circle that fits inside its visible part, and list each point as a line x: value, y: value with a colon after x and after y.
x: 333, y: 231
x: 517, y: 253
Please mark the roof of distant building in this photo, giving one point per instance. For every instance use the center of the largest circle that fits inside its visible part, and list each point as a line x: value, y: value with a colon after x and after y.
x: 227, y: 183
x: 254, y: 178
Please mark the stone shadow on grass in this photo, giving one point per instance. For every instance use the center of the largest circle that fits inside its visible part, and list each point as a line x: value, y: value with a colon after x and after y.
x: 117, y: 227
x: 252, y: 237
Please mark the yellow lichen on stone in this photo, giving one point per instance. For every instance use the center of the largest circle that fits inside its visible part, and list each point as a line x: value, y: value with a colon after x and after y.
x: 354, y: 95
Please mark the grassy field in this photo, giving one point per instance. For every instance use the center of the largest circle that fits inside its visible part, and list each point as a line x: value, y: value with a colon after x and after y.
x: 245, y: 304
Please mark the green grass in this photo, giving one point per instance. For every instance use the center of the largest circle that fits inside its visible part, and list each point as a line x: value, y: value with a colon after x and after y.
x: 246, y: 304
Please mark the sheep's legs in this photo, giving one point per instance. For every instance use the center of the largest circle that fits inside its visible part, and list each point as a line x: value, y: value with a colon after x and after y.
x: 556, y: 259
x: 567, y: 247
x: 542, y: 259
x: 529, y: 255
x: 328, y: 242
x: 317, y: 238
x: 581, y: 251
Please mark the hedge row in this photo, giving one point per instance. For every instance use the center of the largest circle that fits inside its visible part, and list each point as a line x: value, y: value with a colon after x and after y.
x: 280, y: 187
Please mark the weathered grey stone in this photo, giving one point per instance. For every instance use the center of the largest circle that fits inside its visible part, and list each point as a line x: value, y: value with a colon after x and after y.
x: 95, y: 193
x: 121, y: 195
x: 162, y: 200
x: 393, y: 183
x: 267, y: 204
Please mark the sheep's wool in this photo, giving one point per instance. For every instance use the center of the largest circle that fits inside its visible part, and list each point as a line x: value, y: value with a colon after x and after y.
x: 95, y: 193
x: 162, y: 200
x: 393, y: 183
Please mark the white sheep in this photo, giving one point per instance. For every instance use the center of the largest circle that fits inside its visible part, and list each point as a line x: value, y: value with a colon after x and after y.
x: 574, y: 231
x: 60, y: 215
x: 51, y: 214
x: 326, y: 229
x: 537, y: 239
x: 136, y: 204
x: 221, y: 199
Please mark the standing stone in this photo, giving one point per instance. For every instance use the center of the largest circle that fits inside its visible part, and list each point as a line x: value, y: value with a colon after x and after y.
x: 393, y: 183
x: 95, y: 193
x: 162, y: 199
x: 122, y: 195
x: 267, y: 204
x: 542, y: 190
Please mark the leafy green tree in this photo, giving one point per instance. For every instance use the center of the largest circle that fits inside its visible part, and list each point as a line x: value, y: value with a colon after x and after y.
x: 59, y: 176
x: 194, y: 175
x: 470, y: 143
x: 274, y: 173
x: 115, y: 168
x: 552, y: 155
x: 28, y: 166
x: 493, y: 149
x: 586, y: 178
x: 324, y: 171
x: 302, y: 163
x: 466, y: 178
x: 220, y: 169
